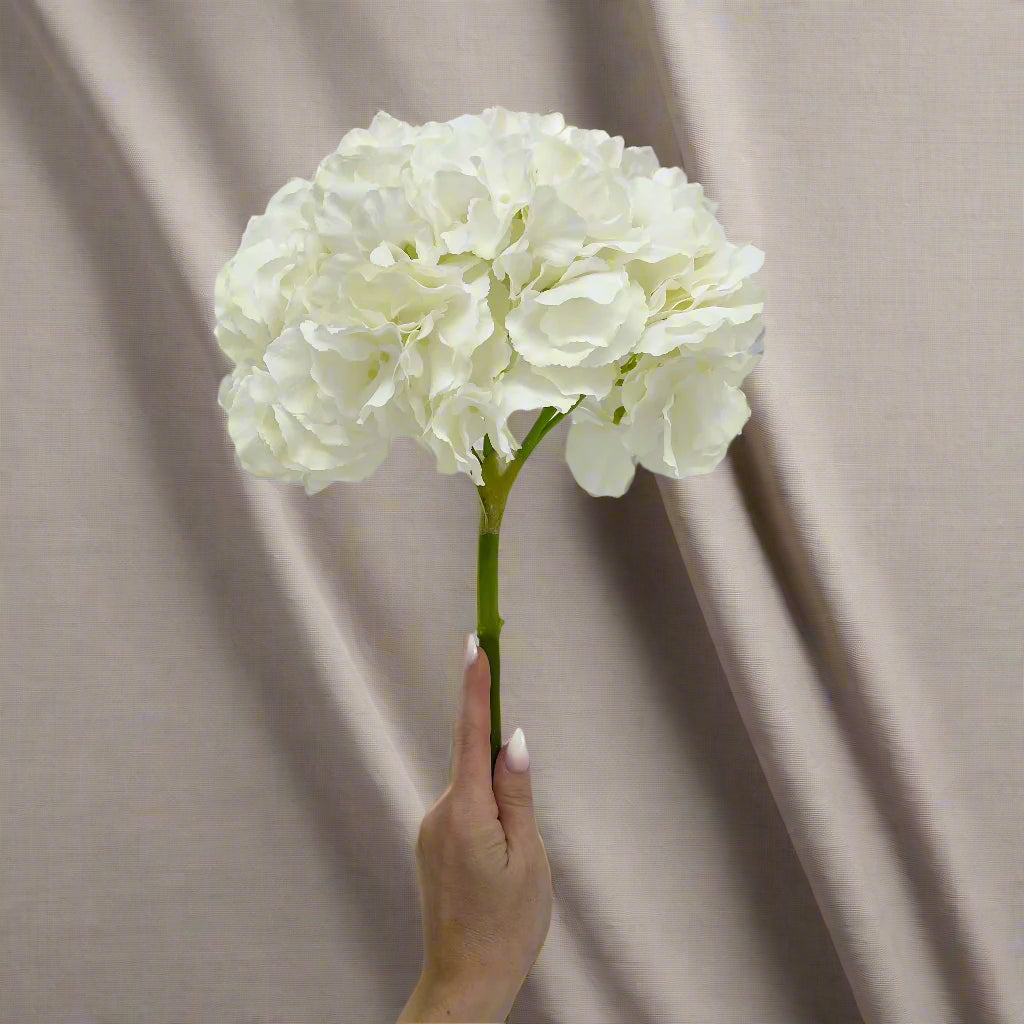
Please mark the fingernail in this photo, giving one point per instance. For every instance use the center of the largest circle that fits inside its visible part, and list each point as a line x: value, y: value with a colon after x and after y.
x: 472, y: 647
x: 517, y: 757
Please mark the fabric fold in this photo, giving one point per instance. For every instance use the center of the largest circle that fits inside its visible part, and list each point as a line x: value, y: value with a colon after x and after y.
x: 774, y: 711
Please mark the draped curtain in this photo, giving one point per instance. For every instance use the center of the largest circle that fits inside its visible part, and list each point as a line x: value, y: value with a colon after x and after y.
x: 775, y: 713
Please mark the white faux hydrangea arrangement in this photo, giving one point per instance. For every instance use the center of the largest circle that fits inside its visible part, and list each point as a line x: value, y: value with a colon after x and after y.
x: 431, y: 280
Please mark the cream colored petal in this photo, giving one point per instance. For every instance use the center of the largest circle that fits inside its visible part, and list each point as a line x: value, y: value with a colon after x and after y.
x: 598, y: 458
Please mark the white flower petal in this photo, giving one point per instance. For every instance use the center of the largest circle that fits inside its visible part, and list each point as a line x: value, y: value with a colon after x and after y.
x: 685, y: 423
x: 599, y: 459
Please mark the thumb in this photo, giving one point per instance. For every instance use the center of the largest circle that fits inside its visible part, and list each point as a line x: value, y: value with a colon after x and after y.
x: 513, y: 791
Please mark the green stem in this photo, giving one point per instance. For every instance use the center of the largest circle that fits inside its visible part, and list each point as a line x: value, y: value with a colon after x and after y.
x: 489, y: 623
x: 493, y: 495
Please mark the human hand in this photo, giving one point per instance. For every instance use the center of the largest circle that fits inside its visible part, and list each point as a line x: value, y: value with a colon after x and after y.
x: 483, y: 872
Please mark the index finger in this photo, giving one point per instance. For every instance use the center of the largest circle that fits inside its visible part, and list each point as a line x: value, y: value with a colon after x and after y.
x: 471, y: 750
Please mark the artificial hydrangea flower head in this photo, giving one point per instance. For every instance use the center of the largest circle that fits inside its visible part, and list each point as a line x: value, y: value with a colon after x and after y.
x: 429, y: 281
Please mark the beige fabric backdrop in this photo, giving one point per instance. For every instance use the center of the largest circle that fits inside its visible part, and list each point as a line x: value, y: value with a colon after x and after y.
x: 775, y: 713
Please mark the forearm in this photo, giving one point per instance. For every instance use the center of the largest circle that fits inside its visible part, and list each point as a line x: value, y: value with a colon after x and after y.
x: 456, y: 1002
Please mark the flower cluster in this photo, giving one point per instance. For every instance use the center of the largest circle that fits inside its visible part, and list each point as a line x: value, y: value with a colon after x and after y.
x: 429, y: 281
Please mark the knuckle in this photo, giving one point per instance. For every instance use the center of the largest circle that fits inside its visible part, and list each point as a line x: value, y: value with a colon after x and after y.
x: 518, y: 799
x: 422, y: 841
x: 435, y: 818
x: 428, y: 826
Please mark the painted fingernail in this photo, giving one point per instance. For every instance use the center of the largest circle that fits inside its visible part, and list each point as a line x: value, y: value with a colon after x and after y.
x: 517, y: 757
x: 472, y: 648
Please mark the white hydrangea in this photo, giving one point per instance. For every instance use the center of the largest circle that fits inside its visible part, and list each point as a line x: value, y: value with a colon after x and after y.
x: 430, y: 281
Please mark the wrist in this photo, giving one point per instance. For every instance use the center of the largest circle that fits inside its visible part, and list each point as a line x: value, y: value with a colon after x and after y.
x: 463, y: 1000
